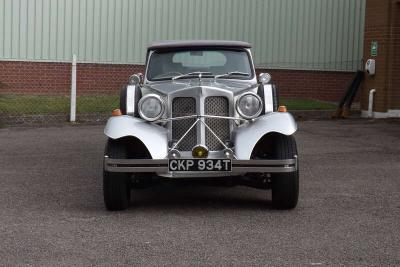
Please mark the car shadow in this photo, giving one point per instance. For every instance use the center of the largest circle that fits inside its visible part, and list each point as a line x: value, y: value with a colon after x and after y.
x: 182, y: 197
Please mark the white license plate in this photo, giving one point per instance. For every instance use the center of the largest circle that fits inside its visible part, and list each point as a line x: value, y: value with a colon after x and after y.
x: 199, y: 165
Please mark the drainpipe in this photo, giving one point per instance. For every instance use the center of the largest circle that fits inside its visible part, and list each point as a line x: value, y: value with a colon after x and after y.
x: 371, y: 102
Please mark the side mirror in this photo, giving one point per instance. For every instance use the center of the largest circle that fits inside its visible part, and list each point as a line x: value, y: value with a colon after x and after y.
x: 141, y: 76
x: 264, y: 78
x: 136, y: 79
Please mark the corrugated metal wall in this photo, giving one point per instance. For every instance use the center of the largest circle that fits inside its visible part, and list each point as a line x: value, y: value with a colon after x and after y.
x: 293, y: 34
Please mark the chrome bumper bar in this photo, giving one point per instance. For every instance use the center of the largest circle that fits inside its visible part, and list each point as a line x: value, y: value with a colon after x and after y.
x: 161, y: 165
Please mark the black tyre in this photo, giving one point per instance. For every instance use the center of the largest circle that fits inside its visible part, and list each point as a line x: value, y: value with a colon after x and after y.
x: 116, y: 186
x: 285, y: 186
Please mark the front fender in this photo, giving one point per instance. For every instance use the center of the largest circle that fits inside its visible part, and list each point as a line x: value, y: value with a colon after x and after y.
x: 154, y: 137
x: 247, y: 135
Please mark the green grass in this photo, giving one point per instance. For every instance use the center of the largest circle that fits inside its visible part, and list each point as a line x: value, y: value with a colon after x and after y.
x: 307, y: 104
x: 44, y: 104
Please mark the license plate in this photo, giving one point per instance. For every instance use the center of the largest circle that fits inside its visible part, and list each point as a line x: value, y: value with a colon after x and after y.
x: 199, y: 165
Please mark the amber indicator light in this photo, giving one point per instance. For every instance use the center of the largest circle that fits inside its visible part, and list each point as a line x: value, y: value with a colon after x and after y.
x: 116, y: 112
x: 282, y: 109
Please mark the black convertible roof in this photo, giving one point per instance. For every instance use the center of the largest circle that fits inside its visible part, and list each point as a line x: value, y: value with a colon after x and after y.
x: 197, y: 43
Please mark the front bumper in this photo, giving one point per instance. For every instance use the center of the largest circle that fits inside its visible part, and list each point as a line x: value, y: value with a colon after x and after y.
x: 160, y: 166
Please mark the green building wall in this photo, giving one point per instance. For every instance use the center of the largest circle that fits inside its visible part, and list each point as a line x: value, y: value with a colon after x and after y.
x: 286, y: 34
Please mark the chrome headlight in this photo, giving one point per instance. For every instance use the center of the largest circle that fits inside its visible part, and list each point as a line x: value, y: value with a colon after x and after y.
x: 134, y: 79
x: 249, y: 105
x: 264, y: 78
x: 151, y: 107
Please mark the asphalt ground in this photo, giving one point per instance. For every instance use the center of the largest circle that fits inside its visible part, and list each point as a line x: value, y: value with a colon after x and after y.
x: 52, y: 212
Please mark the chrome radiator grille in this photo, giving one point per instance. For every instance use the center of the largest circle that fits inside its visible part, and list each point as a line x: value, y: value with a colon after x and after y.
x: 218, y: 106
x: 185, y: 106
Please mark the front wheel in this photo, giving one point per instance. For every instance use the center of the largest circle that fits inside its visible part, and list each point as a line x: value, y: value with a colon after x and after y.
x: 116, y: 185
x: 285, y: 186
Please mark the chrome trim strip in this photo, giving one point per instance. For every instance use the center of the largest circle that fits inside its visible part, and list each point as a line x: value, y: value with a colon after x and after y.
x: 238, y: 166
x: 201, y: 131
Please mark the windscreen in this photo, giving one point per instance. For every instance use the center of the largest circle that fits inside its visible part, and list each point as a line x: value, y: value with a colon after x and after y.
x: 164, y: 65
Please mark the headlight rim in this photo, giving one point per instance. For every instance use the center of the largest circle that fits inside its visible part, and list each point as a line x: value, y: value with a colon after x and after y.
x: 134, y: 79
x: 159, y: 98
x: 257, y: 113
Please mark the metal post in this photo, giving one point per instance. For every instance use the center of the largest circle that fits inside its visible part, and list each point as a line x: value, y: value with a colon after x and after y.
x: 73, y: 90
x: 371, y: 103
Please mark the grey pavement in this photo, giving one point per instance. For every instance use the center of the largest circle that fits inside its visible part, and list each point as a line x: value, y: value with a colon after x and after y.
x: 52, y: 213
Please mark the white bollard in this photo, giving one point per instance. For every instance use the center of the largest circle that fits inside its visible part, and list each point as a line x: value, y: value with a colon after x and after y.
x: 371, y: 103
x: 72, y: 117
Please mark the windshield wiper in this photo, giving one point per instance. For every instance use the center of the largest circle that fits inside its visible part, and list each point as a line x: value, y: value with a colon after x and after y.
x: 191, y: 74
x: 239, y: 73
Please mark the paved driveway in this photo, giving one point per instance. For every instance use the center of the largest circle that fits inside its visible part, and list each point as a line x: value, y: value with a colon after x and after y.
x: 51, y: 207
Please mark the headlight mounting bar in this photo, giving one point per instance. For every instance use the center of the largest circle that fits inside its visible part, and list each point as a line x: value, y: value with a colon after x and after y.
x: 202, y: 116
x: 184, y: 135
x: 195, y: 123
x: 215, y: 135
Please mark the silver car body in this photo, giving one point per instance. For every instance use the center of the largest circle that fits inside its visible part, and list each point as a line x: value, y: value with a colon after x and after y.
x: 244, y: 134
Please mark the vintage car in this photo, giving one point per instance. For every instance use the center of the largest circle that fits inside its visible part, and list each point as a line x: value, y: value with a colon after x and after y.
x: 200, y: 113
